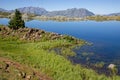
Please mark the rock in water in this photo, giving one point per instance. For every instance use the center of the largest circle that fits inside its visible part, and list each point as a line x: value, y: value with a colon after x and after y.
x: 111, y: 66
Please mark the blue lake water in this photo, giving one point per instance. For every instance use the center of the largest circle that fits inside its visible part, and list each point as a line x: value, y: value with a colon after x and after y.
x: 105, y: 37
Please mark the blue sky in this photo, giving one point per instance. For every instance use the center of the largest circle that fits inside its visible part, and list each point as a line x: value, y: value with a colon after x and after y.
x: 96, y: 6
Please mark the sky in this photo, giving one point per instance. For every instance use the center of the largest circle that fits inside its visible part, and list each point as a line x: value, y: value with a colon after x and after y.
x: 96, y: 6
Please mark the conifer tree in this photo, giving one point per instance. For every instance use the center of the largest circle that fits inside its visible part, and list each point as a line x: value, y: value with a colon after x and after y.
x: 16, y: 22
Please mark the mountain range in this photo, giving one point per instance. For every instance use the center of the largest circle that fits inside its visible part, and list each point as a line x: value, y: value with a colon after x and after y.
x: 74, y: 12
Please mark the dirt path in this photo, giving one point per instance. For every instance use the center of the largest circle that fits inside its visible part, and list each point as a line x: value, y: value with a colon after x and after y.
x: 25, y: 73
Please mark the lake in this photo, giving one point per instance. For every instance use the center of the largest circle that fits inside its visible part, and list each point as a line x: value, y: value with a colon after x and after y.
x: 105, y: 37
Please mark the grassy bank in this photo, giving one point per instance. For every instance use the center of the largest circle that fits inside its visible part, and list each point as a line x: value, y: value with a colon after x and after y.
x: 35, y: 53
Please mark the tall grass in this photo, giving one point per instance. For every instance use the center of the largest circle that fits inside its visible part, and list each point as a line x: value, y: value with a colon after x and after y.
x: 38, y: 56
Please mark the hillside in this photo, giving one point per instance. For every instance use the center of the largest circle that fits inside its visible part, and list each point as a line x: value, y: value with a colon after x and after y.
x: 30, y: 50
x: 13, y: 70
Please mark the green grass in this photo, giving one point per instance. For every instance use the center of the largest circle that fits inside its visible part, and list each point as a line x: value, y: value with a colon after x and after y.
x: 38, y: 56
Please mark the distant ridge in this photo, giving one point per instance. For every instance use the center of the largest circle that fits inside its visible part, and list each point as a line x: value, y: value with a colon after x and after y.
x: 3, y: 10
x: 114, y: 14
x: 74, y: 12
x: 34, y: 10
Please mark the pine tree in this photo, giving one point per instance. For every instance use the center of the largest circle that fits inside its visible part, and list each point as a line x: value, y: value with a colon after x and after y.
x: 16, y: 22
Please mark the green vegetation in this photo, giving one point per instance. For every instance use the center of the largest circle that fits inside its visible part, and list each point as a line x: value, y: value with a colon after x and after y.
x: 17, y: 21
x: 39, y: 56
x: 99, y: 64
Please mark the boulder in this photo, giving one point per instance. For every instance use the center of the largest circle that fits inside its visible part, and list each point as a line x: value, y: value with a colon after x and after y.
x: 30, y: 31
x: 111, y: 66
x: 28, y: 77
